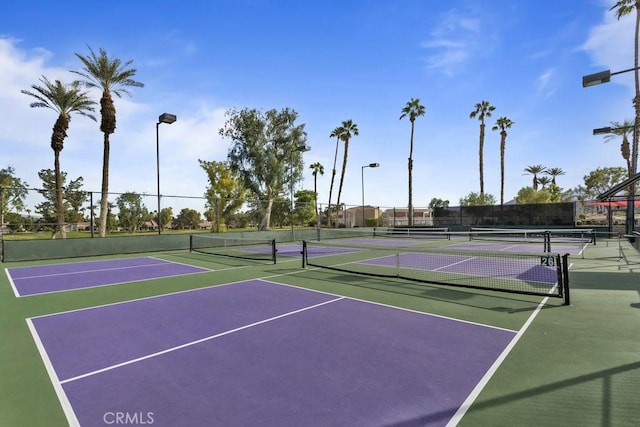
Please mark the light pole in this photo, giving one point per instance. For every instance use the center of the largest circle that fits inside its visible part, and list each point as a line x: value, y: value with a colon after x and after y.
x: 299, y: 149
x: 605, y: 77
x: 168, y: 119
x: 370, y: 165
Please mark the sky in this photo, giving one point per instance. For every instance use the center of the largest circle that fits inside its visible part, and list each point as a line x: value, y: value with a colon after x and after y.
x: 329, y: 61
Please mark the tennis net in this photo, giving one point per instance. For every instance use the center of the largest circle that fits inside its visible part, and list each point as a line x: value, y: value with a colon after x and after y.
x: 543, y: 274
x: 545, y: 237
x: 236, y: 247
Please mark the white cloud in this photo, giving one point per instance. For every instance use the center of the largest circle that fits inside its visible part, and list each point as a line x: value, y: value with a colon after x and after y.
x: 451, y: 42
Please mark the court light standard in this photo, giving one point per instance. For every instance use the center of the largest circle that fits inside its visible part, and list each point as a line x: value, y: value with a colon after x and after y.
x: 605, y: 77
x: 168, y: 119
x: 299, y: 149
x: 370, y: 165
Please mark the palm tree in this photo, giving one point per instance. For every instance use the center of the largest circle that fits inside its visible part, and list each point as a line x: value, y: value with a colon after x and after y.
x: 317, y: 169
x: 481, y: 110
x: 622, y: 130
x: 64, y: 99
x: 502, y: 124
x: 535, y: 170
x: 554, y: 173
x: 622, y: 8
x: 413, y: 110
x: 334, y: 134
x: 544, y: 181
x: 348, y: 130
x: 112, y: 76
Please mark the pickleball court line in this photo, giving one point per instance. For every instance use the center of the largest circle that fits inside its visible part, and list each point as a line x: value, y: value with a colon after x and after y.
x: 198, y: 341
x: 19, y: 295
x: 471, y: 398
x: 409, y: 310
x: 53, y: 376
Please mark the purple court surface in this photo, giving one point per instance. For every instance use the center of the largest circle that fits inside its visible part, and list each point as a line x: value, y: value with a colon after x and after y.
x: 260, y: 353
x: 517, y: 247
x: 527, y: 270
x: 78, y: 275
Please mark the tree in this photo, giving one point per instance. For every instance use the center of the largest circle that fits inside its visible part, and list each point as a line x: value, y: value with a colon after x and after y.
x: 75, y: 197
x: 335, y: 133
x: 527, y: 195
x: 535, y: 170
x: 304, y: 210
x: 264, y: 152
x: 111, y: 76
x: 502, y: 124
x: 13, y: 192
x: 413, y: 110
x: 317, y: 169
x: 131, y: 211
x: 348, y: 130
x: 225, y: 193
x: 477, y: 199
x: 622, y: 130
x: 438, y: 206
x: 544, y: 181
x: 554, y: 173
x: 599, y: 181
x: 188, y: 218
x: 166, y: 217
x: 64, y: 99
x: 481, y: 110
x: 623, y: 8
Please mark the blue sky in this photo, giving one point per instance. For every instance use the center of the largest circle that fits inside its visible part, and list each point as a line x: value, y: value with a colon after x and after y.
x: 330, y: 61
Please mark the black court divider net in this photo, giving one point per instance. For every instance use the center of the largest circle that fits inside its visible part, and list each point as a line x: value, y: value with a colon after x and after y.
x: 242, y: 248
x: 545, y: 238
x: 389, y: 232
x: 544, y: 274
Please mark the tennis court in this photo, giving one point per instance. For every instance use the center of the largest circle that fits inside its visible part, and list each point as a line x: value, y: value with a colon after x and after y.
x: 339, y: 331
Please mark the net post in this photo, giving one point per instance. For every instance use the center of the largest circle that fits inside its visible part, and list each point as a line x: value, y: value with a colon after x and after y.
x: 274, y: 250
x: 304, y: 254
x: 190, y: 243
x: 565, y: 279
x: 547, y: 241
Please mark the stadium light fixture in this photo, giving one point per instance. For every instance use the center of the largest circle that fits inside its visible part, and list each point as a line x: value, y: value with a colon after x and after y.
x: 168, y: 119
x: 299, y: 149
x: 370, y: 165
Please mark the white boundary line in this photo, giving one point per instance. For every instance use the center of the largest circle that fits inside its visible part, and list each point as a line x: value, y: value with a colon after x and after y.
x: 57, y: 385
x: 198, y: 341
x: 204, y: 270
x: 424, y: 313
x: 13, y: 285
x: 466, y: 405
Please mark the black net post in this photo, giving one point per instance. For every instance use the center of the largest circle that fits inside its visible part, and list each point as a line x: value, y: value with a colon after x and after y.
x: 304, y: 254
x: 274, y: 250
x: 565, y: 279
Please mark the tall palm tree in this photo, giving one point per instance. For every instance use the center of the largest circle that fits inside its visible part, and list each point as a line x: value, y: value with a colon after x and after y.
x: 111, y: 76
x: 64, y: 99
x: 535, y: 170
x: 348, y: 130
x: 554, y: 173
x: 413, y: 110
x: 622, y: 130
x: 317, y: 169
x: 334, y: 134
x: 482, y: 109
x: 502, y: 124
x: 622, y: 8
